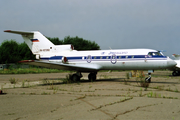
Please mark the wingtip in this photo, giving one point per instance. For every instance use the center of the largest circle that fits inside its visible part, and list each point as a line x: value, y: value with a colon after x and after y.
x: 26, y: 61
x: 7, y: 31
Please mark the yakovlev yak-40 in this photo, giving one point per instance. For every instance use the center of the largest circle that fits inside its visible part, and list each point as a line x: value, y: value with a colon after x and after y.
x: 66, y: 58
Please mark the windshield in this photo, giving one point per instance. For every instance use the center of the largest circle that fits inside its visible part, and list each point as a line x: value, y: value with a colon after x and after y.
x: 155, y: 54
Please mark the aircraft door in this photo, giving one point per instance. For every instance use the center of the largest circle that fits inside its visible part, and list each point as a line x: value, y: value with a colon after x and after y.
x: 113, y: 59
x: 89, y: 58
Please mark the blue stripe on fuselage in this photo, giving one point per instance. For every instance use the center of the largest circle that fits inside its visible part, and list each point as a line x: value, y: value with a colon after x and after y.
x: 129, y: 57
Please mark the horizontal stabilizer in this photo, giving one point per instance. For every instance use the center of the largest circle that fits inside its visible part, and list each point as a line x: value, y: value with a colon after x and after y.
x: 19, y: 32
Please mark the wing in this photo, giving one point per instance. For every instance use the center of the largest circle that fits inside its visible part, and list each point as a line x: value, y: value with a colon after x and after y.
x: 73, y: 67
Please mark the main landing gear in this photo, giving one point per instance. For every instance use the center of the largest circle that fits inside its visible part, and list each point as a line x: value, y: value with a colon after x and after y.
x: 92, y: 76
x: 78, y: 75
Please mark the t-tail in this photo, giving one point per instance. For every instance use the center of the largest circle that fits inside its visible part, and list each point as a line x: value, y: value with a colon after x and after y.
x: 39, y: 44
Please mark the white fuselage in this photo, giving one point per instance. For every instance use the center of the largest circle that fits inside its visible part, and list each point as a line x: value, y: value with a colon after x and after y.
x: 122, y: 59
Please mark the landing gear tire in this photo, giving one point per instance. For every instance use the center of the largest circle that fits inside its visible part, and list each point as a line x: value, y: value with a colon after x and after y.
x: 148, y: 80
x: 92, y: 76
x: 75, y: 78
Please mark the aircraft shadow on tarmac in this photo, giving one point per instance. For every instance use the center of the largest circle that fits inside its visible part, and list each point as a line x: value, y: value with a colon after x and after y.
x: 122, y: 80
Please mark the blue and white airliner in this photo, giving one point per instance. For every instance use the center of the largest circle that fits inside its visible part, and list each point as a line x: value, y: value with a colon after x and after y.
x: 66, y: 58
x: 176, y: 69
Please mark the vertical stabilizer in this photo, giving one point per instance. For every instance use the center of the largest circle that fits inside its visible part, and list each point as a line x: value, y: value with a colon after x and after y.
x: 37, y: 42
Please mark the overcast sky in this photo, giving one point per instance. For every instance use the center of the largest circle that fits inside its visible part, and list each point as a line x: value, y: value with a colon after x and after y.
x: 117, y: 24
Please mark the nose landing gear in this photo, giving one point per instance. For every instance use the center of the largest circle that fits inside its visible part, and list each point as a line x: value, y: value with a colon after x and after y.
x: 148, y: 79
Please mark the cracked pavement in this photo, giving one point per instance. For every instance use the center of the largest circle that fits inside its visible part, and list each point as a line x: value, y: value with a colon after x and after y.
x: 111, y: 97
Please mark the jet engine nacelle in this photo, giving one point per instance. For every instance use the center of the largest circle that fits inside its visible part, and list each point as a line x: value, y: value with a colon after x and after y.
x: 62, y: 60
x: 62, y: 48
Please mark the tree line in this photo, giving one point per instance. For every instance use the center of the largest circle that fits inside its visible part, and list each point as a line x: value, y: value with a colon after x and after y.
x: 12, y: 51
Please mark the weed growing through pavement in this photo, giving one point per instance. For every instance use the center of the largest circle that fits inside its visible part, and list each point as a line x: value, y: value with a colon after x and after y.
x: 45, y: 81
x: 55, y: 91
x: 155, y: 95
x: 51, y: 86
x: 104, y: 76
x: 125, y: 81
x: 45, y: 93
x: 23, y: 84
x: 32, y: 93
x: 176, y: 90
x: 28, y: 83
x: 141, y: 82
x: 140, y: 94
x: 13, y: 80
x: 82, y: 97
x: 23, y: 93
x: 127, y: 76
x: 112, y: 103
x: 68, y: 79
x: 159, y: 87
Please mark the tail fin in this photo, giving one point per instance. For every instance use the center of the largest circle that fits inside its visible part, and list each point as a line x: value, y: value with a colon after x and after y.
x: 35, y: 41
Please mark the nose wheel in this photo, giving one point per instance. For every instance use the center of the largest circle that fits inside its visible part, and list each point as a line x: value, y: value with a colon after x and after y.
x: 148, y: 79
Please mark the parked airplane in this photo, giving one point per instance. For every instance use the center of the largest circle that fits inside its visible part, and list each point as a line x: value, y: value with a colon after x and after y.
x: 176, y: 69
x: 65, y: 57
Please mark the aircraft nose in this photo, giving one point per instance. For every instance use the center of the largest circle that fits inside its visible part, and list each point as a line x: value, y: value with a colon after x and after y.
x: 171, y: 63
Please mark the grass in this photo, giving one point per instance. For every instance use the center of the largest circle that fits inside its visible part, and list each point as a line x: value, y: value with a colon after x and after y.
x: 45, y: 93
x: 13, y: 80
x: 69, y: 80
x: 155, y: 95
x: 112, y: 103
x: 30, y: 70
x: 127, y: 76
x: 104, y: 77
x: 23, y: 84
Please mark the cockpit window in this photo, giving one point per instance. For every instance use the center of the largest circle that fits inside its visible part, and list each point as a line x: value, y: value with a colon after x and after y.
x: 155, y: 54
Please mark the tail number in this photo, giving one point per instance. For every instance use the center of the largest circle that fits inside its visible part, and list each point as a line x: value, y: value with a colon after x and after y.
x: 44, y: 50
